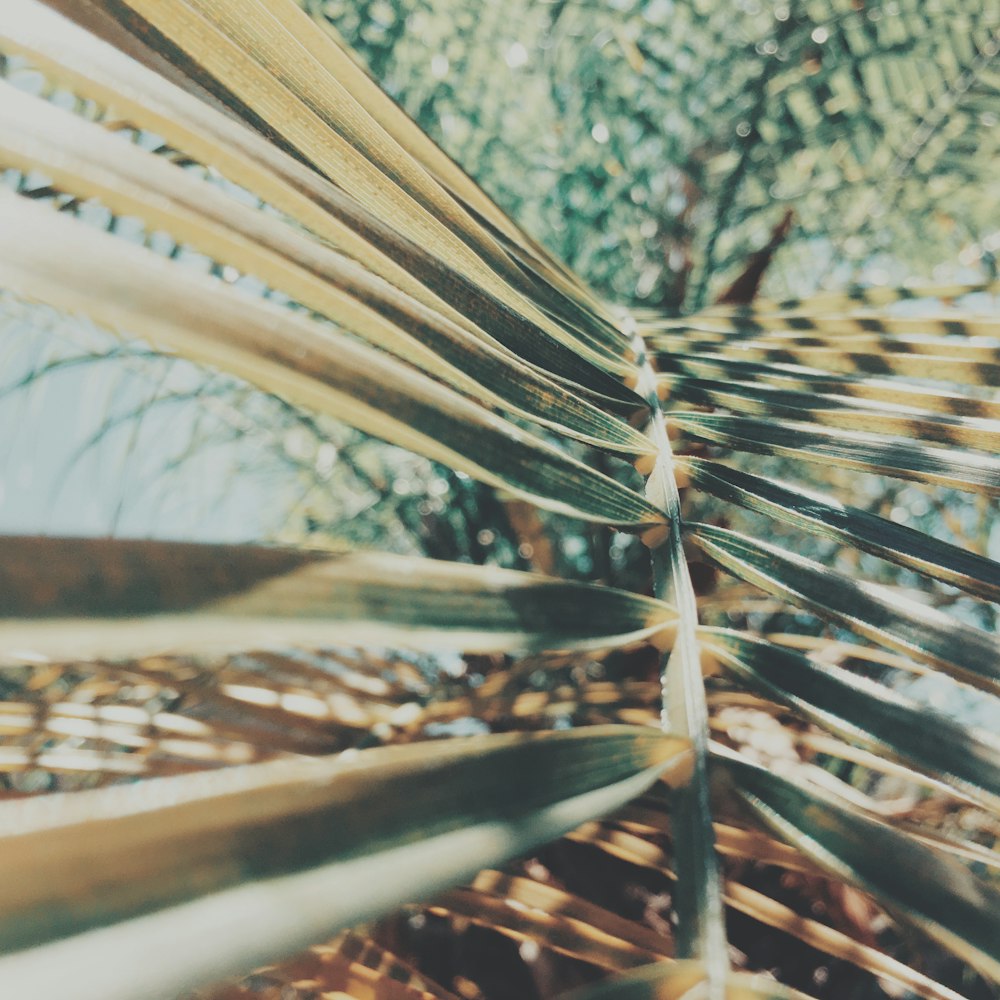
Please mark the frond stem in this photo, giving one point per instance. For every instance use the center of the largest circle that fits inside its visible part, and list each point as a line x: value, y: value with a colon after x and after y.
x: 698, y: 899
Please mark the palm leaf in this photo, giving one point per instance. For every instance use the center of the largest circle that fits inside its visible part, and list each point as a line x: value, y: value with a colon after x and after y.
x: 947, y: 901
x: 681, y: 980
x: 865, y: 712
x: 251, y: 846
x: 824, y: 516
x: 120, y: 599
x: 872, y: 610
x: 88, y: 162
x: 304, y: 361
x: 459, y: 337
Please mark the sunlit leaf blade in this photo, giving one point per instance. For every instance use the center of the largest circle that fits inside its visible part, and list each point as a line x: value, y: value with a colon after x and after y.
x: 364, y: 221
x: 247, y: 864
x: 961, y: 847
x: 258, y: 63
x: 825, y: 516
x: 74, y: 266
x: 253, y: 22
x: 594, y: 921
x: 887, y: 456
x: 681, y: 980
x: 938, y: 893
x: 869, y: 295
x: 835, y: 943
x: 864, y: 712
x: 684, y: 981
x: 85, y: 160
x: 99, y: 763
x: 96, y: 70
x: 164, y: 714
x: 753, y: 986
x: 103, y: 598
x: 839, y: 412
x: 886, y: 331
x: 820, y: 384
x: 970, y: 654
x: 162, y: 740
x: 878, y: 765
x: 650, y: 817
x: 276, y: 29
x: 845, y: 650
x: 974, y: 366
x: 350, y: 72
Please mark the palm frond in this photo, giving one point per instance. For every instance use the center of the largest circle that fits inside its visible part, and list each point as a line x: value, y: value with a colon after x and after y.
x: 399, y: 299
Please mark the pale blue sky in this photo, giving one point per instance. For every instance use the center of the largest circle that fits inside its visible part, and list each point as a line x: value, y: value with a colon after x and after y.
x: 177, y: 472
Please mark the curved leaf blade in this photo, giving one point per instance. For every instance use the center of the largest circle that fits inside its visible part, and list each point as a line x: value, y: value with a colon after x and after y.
x: 111, y: 598
x: 257, y: 62
x: 825, y: 516
x: 874, y: 453
x: 95, y: 69
x: 212, y: 874
x: 840, y: 412
x: 685, y: 980
x: 701, y: 932
x: 968, y: 653
x: 869, y: 295
x: 947, y: 900
x: 977, y: 365
x: 762, y: 908
x: 864, y: 712
x: 819, y: 384
x: 553, y: 919
x: 73, y: 266
x: 85, y: 160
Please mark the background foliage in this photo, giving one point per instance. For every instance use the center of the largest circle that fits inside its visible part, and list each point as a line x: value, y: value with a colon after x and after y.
x: 654, y: 146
